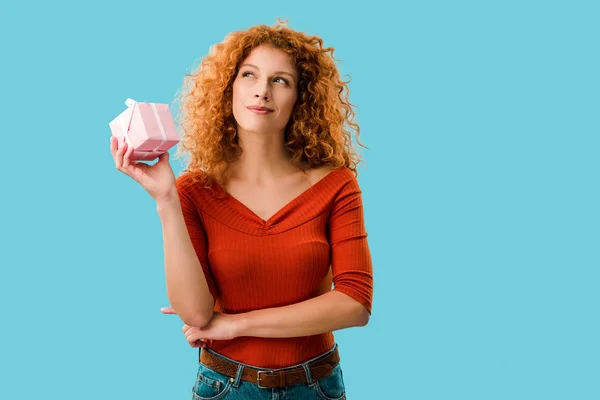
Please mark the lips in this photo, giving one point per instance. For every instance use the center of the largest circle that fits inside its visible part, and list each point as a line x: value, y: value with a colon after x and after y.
x: 256, y: 108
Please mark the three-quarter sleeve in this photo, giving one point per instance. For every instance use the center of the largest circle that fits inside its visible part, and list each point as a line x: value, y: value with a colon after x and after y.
x: 350, y: 256
x: 197, y: 234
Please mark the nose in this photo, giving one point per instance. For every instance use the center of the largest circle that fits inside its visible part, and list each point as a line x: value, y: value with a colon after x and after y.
x: 264, y: 97
x: 263, y: 92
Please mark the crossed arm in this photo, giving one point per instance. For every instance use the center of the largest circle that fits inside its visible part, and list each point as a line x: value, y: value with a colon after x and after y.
x: 328, y: 312
x: 325, y: 313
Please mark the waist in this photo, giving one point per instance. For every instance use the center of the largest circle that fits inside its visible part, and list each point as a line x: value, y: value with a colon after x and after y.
x: 309, y: 372
x: 273, y: 353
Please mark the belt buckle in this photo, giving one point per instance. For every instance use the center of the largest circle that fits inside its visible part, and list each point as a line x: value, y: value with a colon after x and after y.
x: 258, y: 379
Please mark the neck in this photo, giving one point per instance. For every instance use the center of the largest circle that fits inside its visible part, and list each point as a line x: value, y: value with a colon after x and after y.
x: 264, y: 159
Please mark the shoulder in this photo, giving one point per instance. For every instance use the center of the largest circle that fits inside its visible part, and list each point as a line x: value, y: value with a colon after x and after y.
x: 342, y: 174
x: 190, y: 178
x: 183, y: 182
x: 318, y: 173
x: 192, y: 184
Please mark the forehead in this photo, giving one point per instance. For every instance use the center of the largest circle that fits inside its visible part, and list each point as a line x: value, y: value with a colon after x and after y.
x: 266, y: 57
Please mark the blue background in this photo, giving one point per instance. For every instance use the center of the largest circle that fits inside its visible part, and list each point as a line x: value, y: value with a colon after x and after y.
x: 480, y: 190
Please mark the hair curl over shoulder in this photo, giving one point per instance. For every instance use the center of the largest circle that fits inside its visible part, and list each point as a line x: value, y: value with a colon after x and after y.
x: 318, y: 132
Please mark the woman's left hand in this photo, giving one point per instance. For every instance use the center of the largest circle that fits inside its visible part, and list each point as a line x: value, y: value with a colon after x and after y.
x: 221, y: 327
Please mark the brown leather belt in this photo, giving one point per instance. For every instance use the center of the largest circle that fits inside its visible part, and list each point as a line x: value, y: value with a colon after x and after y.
x: 278, y: 378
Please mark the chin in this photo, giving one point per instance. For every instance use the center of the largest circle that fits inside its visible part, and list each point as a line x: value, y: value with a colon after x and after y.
x: 256, y: 127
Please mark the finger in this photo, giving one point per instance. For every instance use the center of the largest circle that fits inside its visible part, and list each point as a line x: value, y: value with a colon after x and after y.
x: 191, y: 330
x: 168, y: 310
x: 194, y: 336
x: 126, y: 161
x: 160, y: 159
x: 113, y: 147
x: 120, y: 151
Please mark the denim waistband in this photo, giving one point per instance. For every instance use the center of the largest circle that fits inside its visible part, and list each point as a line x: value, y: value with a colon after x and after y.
x: 270, y: 369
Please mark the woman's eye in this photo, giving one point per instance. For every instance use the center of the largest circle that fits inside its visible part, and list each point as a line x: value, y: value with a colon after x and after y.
x: 244, y: 74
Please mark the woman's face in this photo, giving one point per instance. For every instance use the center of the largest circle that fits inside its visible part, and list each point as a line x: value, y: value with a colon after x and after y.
x: 266, y: 78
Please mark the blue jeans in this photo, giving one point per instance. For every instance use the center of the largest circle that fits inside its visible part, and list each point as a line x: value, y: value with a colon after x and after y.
x: 213, y: 385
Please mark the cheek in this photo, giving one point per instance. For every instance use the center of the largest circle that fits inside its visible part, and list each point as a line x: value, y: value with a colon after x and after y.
x: 235, y: 93
x: 289, y: 105
x: 237, y: 98
x: 237, y: 104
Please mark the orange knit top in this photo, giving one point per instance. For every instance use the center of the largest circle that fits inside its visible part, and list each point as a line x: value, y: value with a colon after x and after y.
x: 251, y: 264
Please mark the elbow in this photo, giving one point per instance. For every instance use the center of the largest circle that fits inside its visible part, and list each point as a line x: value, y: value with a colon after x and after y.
x: 201, y: 318
x: 357, y: 312
x: 194, y: 317
x: 202, y: 321
x: 363, y: 316
x: 198, y: 320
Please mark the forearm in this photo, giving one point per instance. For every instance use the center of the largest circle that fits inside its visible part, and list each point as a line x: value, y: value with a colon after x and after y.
x: 326, y: 313
x: 187, y: 289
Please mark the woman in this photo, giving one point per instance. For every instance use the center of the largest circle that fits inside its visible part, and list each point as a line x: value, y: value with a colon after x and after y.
x: 267, y: 214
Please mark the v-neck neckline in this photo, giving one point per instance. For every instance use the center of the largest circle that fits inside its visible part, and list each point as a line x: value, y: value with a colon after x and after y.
x: 242, y: 208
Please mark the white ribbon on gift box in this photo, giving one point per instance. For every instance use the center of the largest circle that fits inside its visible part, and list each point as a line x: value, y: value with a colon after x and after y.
x: 131, y: 104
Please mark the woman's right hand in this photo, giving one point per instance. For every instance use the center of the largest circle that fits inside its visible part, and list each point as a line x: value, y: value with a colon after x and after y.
x: 158, y: 179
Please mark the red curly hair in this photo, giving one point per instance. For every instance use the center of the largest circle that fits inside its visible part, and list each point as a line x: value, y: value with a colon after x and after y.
x: 316, y: 133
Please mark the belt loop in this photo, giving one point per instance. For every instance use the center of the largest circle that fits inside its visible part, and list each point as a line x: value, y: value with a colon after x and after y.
x: 238, y: 376
x: 308, y: 377
x: 281, y: 376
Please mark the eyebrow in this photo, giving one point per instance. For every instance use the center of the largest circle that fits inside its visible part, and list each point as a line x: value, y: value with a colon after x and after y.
x: 276, y: 72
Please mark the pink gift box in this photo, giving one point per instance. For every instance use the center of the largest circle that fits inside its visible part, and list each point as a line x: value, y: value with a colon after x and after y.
x: 147, y: 127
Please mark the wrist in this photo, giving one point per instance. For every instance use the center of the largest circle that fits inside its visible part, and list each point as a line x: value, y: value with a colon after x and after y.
x: 168, y: 201
x: 242, y: 324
